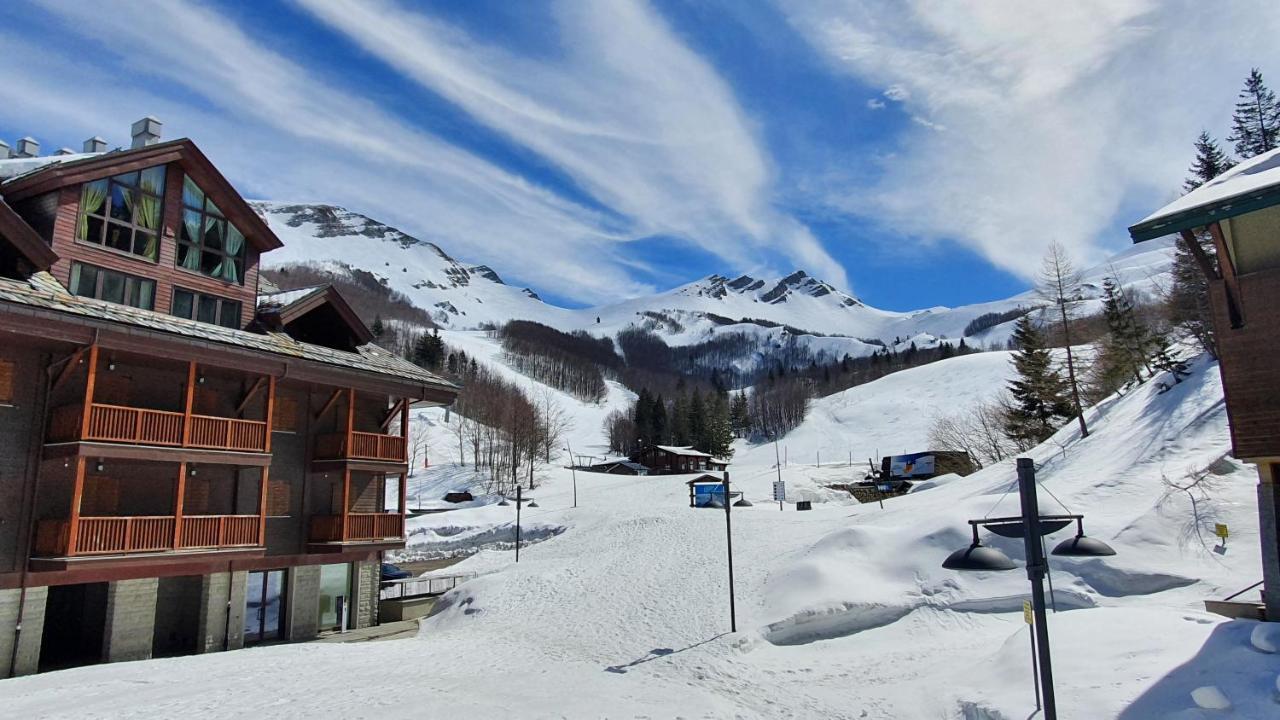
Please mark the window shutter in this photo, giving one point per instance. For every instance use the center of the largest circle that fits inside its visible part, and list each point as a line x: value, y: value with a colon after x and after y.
x: 6, y: 381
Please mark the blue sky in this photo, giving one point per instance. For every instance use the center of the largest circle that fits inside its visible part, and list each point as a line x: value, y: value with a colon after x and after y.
x: 918, y: 153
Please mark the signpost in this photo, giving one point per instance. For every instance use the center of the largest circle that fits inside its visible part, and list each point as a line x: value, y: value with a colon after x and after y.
x: 1220, y: 530
x: 779, y: 492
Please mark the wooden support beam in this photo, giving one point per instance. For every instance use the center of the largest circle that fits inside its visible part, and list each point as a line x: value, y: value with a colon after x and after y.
x: 404, y: 495
x: 271, y: 407
x: 254, y: 390
x: 70, y: 364
x: 1235, y: 309
x: 262, y: 506
x: 189, y: 404
x: 351, y: 420
x: 77, y: 493
x: 392, y: 413
x: 346, y: 500
x: 329, y: 403
x: 180, y: 496
x: 88, y: 389
x: 1206, y: 265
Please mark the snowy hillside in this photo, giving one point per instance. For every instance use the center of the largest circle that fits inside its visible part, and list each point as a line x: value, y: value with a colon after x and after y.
x: 463, y: 296
x: 843, y: 612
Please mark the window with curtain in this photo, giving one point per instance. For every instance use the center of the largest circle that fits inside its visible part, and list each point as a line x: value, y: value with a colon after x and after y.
x: 123, y: 212
x: 210, y: 309
x: 208, y: 243
x: 95, y: 282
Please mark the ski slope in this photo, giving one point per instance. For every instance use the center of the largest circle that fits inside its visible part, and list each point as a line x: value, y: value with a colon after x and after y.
x: 842, y: 612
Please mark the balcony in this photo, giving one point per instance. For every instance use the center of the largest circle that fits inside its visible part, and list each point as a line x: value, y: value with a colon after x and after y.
x: 122, y: 535
x: 140, y: 426
x: 361, y: 527
x: 361, y: 446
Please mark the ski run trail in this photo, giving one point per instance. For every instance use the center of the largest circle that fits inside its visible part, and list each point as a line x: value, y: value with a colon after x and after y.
x: 619, y: 608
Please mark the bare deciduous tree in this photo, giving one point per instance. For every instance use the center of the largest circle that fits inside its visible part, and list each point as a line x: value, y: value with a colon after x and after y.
x: 1060, y: 285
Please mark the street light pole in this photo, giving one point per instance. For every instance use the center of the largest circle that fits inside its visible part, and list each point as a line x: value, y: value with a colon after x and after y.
x: 1036, y: 565
x: 728, y: 534
x: 518, y: 504
x: 573, y: 468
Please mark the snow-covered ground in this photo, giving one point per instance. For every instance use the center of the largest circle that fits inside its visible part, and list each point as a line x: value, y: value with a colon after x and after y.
x: 621, y: 608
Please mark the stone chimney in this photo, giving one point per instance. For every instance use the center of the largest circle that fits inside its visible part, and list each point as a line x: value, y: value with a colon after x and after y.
x: 145, y: 132
x: 95, y: 144
x: 5, y: 152
x: 28, y: 147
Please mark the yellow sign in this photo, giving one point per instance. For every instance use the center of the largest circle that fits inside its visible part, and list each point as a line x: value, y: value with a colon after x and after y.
x: 1220, y: 530
x: 1027, y: 615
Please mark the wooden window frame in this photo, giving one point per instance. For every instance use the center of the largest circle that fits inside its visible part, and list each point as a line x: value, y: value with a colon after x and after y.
x: 98, y: 283
x: 196, y: 296
x: 198, y: 245
x: 132, y: 225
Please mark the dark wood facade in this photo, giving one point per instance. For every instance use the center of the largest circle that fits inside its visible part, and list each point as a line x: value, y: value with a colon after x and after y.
x: 663, y: 460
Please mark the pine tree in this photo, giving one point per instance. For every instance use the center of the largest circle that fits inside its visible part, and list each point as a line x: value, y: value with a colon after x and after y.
x: 658, y: 421
x: 740, y: 414
x: 698, y: 436
x: 1255, y: 125
x: 1040, y: 401
x: 643, y: 417
x: 1129, y: 344
x: 719, y: 428
x: 678, y: 427
x: 1060, y: 285
x: 1210, y: 162
x: 377, y: 328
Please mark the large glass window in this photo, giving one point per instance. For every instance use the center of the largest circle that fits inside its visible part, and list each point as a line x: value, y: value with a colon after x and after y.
x: 335, y: 595
x: 94, y: 282
x: 208, y: 243
x: 123, y: 212
x: 210, y: 309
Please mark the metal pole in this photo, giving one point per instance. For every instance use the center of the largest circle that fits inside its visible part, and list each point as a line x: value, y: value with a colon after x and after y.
x: 518, y: 504
x: 1035, y: 680
x: 1035, y: 573
x: 777, y: 463
x: 573, y: 469
x: 728, y: 534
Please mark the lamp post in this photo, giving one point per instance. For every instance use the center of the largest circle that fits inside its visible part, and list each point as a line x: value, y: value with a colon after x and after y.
x: 573, y: 468
x: 728, y: 535
x: 1031, y: 526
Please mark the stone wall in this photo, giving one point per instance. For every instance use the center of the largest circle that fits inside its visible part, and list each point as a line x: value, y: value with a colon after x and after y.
x: 367, y: 577
x: 304, y: 602
x: 130, y: 621
x: 216, y: 591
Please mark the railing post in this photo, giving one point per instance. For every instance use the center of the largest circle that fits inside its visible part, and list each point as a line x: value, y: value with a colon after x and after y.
x: 190, y: 399
x: 77, y: 492
x: 404, y: 431
x: 177, y: 505
x: 137, y: 426
x: 128, y: 533
x: 222, y: 530
x: 262, y: 506
x: 351, y: 420
x: 90, y: 379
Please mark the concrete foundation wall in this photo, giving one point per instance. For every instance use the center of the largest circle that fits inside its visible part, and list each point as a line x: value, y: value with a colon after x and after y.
x: 130, y: 622
x: 32, y: 626
x: 303, y: 595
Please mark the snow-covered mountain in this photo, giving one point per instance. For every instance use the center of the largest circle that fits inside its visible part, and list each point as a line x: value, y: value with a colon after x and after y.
x: 463, y: 296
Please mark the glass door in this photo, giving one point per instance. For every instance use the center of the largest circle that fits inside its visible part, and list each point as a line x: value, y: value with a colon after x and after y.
x: 335, y: 595
x: 264, y: 603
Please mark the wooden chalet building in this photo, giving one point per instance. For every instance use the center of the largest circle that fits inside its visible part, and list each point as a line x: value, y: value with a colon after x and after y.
x: 186, y: 465
x: 669, y: 460
x: 1240, y: 212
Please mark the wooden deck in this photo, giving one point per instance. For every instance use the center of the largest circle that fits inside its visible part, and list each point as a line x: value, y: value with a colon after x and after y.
x: 360, y: 527
x: 163, y: 428
x: 122, y: 535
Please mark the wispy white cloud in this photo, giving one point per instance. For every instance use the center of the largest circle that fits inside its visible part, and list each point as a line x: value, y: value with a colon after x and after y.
x: 631, y: 114
x: 1059, y: 116
x: 287, y: 132
x: 875, y: 104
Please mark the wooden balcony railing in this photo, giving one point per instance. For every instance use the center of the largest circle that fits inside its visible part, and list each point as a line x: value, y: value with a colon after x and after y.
x: 145, y: 533
x: 215, y: 531
x: 363, y: 446
x: 140, y: 426
x: 360, y: 527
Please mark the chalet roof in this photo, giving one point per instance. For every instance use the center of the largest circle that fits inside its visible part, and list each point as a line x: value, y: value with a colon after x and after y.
x: 14, y: 167
x: 1252, y: 185
x: 42, y: 290
x: 280, y: 298
x: 91, y: 166
x: 687, y: 451
x: 290, y: 305
x: 705, y: 479
x: 14, y: 229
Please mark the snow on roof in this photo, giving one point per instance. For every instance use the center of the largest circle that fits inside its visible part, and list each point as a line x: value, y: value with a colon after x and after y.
x: 13, y: 167
x: 287, y: 297
x: 687, y: 451
x: 1253, y: 176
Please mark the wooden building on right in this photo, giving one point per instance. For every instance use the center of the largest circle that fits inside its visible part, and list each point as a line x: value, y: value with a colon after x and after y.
x: 1239, y: 214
